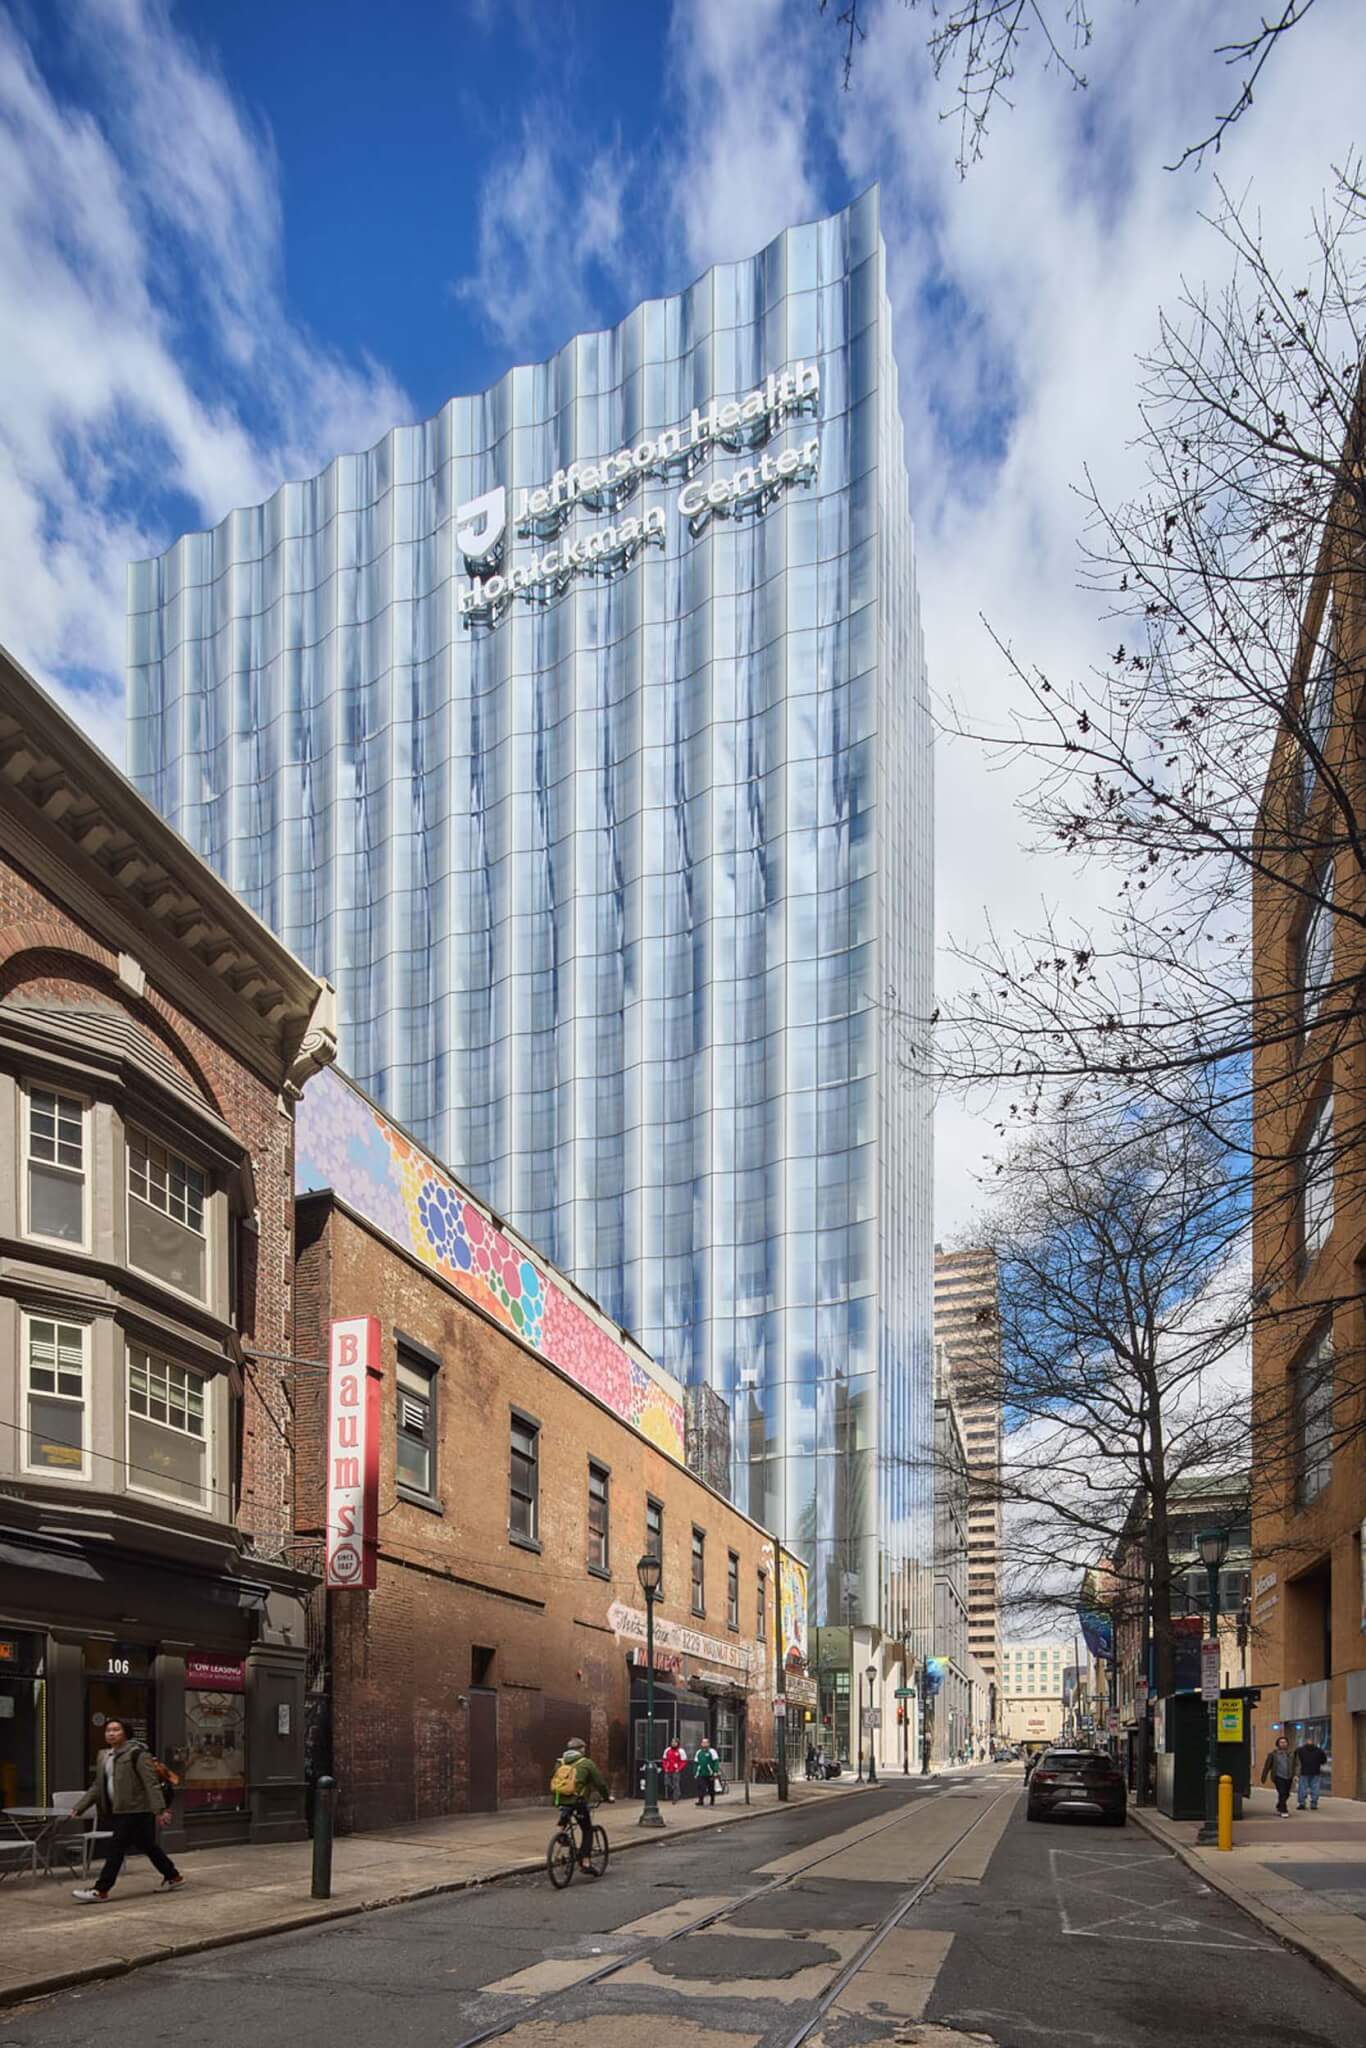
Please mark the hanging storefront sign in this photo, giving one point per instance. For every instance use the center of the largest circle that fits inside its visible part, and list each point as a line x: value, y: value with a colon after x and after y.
x: 352, y: 1542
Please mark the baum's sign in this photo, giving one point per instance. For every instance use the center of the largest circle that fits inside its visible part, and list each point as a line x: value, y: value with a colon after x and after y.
x: 353, y: 1453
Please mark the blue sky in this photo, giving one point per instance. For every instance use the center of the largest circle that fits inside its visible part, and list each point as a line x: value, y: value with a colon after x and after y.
x: 237, y: 238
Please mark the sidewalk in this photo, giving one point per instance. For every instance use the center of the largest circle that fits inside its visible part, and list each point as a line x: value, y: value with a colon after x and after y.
x: 1304, y: 1878
x: 236, y: 1894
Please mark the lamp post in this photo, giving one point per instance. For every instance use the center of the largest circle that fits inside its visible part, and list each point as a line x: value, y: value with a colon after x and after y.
x: 872, y: 1725
x: 649, y: 1571
x: 1213, y: 1550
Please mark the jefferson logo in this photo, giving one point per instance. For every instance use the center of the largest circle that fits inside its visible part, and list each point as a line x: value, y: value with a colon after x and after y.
x: 481, y: 524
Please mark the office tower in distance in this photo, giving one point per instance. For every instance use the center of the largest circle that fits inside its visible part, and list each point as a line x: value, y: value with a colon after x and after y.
x: 967, y: 1340
x: 580, y: 736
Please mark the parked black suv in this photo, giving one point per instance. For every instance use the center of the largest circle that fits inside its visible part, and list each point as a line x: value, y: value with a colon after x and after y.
x: 1077, y: 1781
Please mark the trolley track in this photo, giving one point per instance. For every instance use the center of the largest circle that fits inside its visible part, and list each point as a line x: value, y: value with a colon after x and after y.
x: 540, y: 2006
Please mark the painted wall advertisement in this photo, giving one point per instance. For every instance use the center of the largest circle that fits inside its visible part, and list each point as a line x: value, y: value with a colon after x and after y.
x: 792, y: 1597
x: 354, y: 1372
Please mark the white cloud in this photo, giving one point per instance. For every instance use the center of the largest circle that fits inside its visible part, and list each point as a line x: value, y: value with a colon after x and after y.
x: 153, y: 378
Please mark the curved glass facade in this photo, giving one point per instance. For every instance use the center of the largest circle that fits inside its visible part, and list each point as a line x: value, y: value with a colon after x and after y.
x: 580, y: 736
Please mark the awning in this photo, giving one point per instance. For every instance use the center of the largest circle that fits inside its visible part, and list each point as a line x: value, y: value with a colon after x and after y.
x: 70, y: 1564
x: 718, y: 1685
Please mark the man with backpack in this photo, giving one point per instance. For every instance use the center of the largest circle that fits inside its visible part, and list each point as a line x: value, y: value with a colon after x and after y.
x: 573, y: 1778
x: 127, y: 1796
x: 1312, y: 1761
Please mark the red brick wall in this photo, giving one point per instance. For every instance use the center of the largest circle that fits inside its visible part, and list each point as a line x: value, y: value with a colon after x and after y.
x: 49, y: 956
x: 401, y: 1656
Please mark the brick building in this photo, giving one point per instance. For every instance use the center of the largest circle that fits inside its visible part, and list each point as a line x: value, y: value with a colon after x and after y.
x: 1309, y: 1195
x: 530, y: 1453
x: 153, y: 1036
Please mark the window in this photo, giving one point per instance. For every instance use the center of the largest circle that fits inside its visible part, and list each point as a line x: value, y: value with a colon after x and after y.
x: 524, y: 1504
x: 597, y: 1517
x: 168, y: 1429
x: 1316, y: 1181
x: 415, y: 1461
x: 654, y: 1534
x: 1316, y: 950
x: 699, y: 1575
x: 54, y: 1359
x: 1318, y: 706
x: 761, y: 1609
x: 732, y: 1590
x: 55, y: 1132
x: 165, y: 1216
x: 1314, y: 1420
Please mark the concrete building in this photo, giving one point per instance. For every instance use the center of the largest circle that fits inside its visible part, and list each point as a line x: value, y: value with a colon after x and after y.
x: 954, y: 1729
x: 1309, y: 1196
x: 580, y: 734
x: 967, y: 1336
x: 1032, y: 1688
x: 530, y: 1454
x: 153, y: 1037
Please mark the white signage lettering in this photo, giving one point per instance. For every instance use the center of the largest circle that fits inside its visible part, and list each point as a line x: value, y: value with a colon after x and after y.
x: 672, y: 1635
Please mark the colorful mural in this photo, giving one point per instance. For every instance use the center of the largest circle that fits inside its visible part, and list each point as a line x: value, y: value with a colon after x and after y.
x: 342, y: 1142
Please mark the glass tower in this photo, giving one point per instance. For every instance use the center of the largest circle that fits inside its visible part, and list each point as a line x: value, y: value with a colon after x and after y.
x: 580, y: 736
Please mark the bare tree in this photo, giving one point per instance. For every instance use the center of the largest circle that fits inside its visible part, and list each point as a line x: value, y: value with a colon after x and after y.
x: 1123, y: 1313
x: 979, y: 45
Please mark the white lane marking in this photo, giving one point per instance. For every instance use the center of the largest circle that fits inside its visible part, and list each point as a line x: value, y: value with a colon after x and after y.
x: 1143, y: 1915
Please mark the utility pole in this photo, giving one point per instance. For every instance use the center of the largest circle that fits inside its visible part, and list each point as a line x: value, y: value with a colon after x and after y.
x: 780, y: 1676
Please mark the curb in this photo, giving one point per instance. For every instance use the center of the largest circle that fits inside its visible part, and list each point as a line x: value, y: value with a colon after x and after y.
x: 122, y: 1966
x: 1346, y: 1973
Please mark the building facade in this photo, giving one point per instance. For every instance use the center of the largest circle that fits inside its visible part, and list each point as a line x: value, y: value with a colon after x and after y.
x: 1032, y: 1690
x: 153, y: 1036
x: 1308, y: 1615
x: 953, y: 1729
x: 581, y: 735
x: 527, y: 1462
x: 967, y: 1341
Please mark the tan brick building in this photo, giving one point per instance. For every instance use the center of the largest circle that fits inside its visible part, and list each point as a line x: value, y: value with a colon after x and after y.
x: 152, y: 1038
x: 967, y: 1341
x: 517, y: 1493
x: 1309, y: 1463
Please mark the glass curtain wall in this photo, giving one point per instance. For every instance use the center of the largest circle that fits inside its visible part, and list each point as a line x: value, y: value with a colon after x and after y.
x: 626, y: 893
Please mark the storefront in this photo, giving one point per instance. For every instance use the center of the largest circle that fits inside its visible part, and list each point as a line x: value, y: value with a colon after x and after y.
x: 205, y: 1667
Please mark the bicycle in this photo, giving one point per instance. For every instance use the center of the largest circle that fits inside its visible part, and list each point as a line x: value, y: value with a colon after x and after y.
x: 562, y: 1857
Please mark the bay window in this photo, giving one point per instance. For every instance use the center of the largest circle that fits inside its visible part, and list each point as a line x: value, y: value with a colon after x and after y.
x: 169, y: 1428
x: 166, y: 1233
x: 55, y: 1163
x: 56, y: 1433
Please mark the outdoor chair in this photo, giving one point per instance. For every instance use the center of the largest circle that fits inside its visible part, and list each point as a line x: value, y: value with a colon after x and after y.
x: 17, y: 1852
x: 74, y: 1839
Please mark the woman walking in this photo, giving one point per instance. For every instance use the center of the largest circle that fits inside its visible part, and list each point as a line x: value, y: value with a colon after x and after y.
x: 1279, y: 1770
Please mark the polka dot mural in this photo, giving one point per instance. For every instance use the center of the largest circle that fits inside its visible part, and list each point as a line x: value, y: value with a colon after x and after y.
x: 344, y: 1143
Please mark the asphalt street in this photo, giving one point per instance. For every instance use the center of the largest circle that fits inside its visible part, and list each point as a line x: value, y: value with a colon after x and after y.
x: 1016, y: 1934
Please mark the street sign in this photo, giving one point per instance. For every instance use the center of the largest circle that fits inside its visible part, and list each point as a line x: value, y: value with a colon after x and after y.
x: 1209, y: 1671
x: 1114, y: 1720
x: 905, y: 1692
x: 1141, y: 1694
x: 873, y: 1716
x: 780, y: 1707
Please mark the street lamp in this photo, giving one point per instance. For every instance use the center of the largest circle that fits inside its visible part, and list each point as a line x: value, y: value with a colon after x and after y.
x: 649, y: 1571
x: 872, y: 1725
x: 1213, y: 1546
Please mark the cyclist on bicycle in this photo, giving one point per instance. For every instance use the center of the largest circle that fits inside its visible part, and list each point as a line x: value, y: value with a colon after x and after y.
x: 586, y: 1778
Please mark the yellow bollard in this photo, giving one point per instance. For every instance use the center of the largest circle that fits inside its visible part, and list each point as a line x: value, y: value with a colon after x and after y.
x: 1226, y: 1813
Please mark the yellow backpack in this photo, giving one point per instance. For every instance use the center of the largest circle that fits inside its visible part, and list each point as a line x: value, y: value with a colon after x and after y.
x: 564, y: 1783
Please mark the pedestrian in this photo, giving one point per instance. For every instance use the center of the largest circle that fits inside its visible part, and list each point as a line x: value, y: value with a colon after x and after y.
x: 812, y: 1762
x: 1279, y: 1770
x: 1311, y: 1760
x: 126, y: 1794
x: 675, y: 1763
x: 705, y: 1766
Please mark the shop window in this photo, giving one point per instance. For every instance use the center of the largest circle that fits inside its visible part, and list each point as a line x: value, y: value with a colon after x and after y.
x: 23, y: 1748
x: 215, y: 1768
x: 416, y: 1433
x: 732, y: 1590
x: 166, y: 1235
x: 55, y: 1144
x: 699, y: 1572
x: 598, y: 1511
x: 55, y: 1395
x: 654, y: 1533
x: 168, y: 1429
x: 524, y: 1502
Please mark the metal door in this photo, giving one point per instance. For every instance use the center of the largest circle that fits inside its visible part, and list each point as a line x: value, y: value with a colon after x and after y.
x: 483, y: 1750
